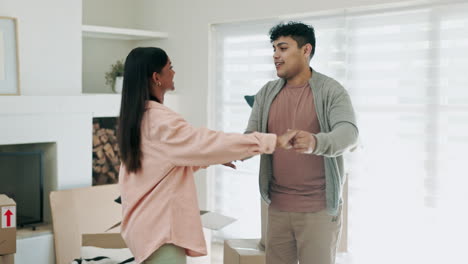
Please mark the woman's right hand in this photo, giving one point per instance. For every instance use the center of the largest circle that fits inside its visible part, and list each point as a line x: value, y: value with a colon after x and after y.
x: 286, y: 140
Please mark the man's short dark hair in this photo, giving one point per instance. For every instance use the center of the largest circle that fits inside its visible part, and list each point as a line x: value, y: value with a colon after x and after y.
x: 298, y: 31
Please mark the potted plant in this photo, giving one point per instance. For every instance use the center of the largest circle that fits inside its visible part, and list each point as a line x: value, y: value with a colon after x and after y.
x: 114, y: 77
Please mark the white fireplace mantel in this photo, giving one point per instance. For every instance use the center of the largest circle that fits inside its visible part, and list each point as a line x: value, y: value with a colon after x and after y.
x: 99, y: 105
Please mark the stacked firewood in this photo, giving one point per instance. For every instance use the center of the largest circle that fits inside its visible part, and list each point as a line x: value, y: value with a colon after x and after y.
x: 106, y: 159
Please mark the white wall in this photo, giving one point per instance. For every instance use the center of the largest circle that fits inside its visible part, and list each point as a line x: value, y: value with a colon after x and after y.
x: 99, y: 54
x: 112, y: 13
x: 49, y: 40
x: 188, y: 45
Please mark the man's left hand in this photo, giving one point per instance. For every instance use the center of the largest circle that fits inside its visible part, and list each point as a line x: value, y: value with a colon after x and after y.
x: 304, y: 142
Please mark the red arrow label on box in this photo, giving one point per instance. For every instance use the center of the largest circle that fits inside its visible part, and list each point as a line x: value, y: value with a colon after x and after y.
x: 8, y: 215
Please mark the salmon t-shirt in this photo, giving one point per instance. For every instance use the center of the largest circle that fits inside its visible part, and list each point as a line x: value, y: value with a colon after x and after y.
x: 298, y: 183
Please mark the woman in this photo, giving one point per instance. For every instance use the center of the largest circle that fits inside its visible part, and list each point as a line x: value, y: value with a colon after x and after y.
x: 160, y: 152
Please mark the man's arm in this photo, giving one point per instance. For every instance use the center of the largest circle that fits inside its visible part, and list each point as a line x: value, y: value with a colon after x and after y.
x: 343, y: 134
x: 342, y: 138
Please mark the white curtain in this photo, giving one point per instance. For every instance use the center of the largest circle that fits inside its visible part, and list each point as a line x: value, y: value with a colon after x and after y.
x: 406, y: 70
x: 243, y: 65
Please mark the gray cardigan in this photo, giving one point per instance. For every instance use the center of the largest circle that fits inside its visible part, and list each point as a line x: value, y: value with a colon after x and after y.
x: 338, y: 133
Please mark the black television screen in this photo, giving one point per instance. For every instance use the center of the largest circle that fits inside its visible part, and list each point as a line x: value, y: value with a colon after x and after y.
x: 21, y: 179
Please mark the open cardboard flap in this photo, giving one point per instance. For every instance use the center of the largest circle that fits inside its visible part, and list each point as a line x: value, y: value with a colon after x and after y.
x: 215, y: 221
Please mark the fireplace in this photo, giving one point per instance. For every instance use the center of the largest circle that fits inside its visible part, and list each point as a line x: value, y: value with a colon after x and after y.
x: 22, y: 180
x: 27, y: 173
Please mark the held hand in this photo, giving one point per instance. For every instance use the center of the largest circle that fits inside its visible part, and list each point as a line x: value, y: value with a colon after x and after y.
x: 285, y: 141
x: 304, y: 142
x: 230, y: 164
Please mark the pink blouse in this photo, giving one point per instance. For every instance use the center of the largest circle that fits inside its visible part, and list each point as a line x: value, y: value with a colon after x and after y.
x: 159, y: 202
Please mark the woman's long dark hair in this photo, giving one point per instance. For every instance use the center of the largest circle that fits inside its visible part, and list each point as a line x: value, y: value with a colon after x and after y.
x: 140, y: 65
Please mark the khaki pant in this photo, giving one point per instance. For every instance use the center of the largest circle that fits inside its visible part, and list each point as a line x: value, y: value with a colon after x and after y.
x: 167, y: 254
x: 310, y: 238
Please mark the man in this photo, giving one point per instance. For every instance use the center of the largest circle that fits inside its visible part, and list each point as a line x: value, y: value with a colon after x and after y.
x: 302, y: 185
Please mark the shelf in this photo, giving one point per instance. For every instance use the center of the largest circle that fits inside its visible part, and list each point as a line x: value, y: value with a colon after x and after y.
x: 120, y: 33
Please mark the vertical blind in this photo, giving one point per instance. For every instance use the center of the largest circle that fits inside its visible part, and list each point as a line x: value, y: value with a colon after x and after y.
x: 406, y: 72
x: 243, y: 65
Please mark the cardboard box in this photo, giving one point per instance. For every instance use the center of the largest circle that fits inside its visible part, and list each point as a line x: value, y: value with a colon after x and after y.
x: 82, y: 216
x: 7, y: 259
x: 103, y: 240
x: 7, y: 225
x: 80, y: 211
x: 243, y: 251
